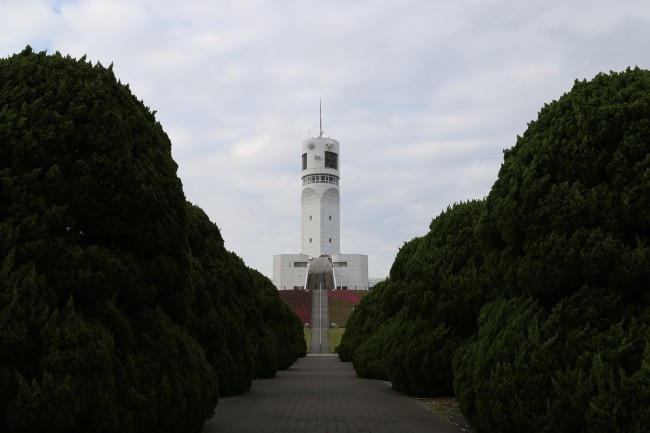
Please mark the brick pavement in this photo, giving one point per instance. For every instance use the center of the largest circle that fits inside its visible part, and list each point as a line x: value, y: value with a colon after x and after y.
x: 320, y: 394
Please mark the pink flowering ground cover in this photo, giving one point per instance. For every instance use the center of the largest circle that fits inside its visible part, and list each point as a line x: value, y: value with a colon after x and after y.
x: 341, y: 304
x: 345, y: 295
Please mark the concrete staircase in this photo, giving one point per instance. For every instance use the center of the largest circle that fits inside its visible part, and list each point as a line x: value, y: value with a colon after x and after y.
x: 320, y: 342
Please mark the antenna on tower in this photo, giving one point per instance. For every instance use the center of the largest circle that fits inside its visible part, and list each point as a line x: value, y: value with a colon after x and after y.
x: 320, y: 115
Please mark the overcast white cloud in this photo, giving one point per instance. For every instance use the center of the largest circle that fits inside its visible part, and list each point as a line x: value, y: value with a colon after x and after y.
x: 423, y: 96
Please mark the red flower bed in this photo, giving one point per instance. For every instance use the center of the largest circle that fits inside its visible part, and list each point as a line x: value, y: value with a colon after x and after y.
x: 299, y: 301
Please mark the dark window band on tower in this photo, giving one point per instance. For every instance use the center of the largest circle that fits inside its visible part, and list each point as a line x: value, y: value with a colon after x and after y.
x: 331, y: 160
x: 320, y: 178
x: 304, y: 161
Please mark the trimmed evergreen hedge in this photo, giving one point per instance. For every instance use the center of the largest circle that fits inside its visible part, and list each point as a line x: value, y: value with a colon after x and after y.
x: 120, y: 309
x: 417, y: 319
x: 550, y: 279
x: 566, y: 233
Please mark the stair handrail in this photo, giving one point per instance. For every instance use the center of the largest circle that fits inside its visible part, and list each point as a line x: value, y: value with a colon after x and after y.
x: 307, y: 275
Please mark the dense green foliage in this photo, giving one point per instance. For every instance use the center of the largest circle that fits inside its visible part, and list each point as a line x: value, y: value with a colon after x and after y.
x: 560, y: 271
x: 120, y: 309
x: 567, y: 370
x: 420, y: 316
x: 566, y: 231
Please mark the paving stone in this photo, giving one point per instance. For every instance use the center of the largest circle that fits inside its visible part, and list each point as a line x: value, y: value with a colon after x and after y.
x: 320, y: 394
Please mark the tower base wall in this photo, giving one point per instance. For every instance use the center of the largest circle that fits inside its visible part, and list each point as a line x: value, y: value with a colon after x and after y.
x: 350, y: 271
x: 290, y: 271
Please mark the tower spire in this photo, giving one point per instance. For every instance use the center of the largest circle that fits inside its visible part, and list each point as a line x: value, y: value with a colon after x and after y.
x: 320, y: 116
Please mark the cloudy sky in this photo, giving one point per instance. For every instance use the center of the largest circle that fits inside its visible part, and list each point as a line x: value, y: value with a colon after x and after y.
x: 423, y: 96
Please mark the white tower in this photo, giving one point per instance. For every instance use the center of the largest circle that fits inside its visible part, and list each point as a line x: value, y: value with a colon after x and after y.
x: 320, y: 222
x: 320, y: 210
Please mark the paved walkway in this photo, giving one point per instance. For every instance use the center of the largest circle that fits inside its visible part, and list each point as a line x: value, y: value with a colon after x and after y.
x: 320, y: 394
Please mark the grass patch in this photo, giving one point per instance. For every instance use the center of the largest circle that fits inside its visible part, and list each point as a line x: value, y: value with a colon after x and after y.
x: 341, y: 304
x: 335, y: 335
x: 446, y: 408
x: 308, y: 338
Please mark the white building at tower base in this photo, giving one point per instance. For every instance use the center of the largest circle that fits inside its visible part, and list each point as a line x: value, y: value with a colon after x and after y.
x: 350, y: 271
